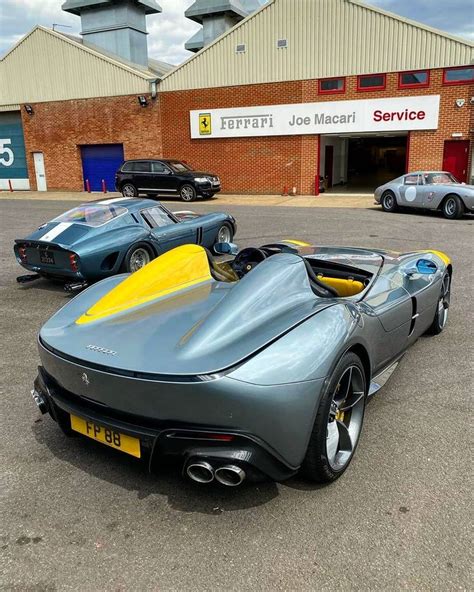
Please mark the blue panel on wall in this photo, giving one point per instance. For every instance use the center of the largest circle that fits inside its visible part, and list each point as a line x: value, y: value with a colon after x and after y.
x: 101, y: 161
x: 12, y: 147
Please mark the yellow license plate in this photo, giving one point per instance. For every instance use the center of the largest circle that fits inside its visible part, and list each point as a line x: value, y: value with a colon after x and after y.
x: 106, y: 436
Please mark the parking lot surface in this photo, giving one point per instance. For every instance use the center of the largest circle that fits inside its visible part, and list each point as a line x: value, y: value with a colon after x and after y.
x: 76, y: 515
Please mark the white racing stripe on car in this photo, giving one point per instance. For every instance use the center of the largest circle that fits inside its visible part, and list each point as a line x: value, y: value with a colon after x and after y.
x: 55, y: 232
x: 112, y: 200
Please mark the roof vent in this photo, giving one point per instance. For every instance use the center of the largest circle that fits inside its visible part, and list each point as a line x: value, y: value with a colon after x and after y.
x: 240, y: 48
x: 282, y: 43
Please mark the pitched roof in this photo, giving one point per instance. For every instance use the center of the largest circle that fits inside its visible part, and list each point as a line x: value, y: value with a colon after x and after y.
x: 325, y: 38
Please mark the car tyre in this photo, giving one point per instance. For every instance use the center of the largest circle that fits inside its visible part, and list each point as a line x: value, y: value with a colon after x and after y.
x: 389, y: 202
x: 187, y: 192
x: 129, y: 190
x: 225, y: 234
x: 137, y: 257
x: 442, y: 307
x: 338, y: 422
x: 453, y: 208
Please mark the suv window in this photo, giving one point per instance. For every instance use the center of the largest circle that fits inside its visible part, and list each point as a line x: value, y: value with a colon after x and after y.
x: 136, y: 167
x: 159, y: 167
x: 156, y: 217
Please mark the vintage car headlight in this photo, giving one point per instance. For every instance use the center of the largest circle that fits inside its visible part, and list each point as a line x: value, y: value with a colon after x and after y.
x: 202, y: 180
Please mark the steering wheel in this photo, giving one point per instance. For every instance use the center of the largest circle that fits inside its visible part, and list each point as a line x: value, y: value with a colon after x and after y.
x: 247, y: 259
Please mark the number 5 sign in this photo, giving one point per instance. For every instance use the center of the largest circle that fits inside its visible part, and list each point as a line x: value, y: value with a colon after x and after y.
x: 6, y: 154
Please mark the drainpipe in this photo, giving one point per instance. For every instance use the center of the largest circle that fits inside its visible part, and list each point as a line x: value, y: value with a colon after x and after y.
x: 154, y: 88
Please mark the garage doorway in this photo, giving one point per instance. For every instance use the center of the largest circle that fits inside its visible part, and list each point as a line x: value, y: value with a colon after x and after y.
x: 100, y: 162
x: 372, y: 161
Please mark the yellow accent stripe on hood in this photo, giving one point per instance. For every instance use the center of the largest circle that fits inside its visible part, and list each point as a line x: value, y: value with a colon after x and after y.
x: 176, y: 270
x: 296, y: 242
x: 441, y: 255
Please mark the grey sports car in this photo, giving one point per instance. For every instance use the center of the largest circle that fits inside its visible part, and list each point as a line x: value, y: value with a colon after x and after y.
x: 256, y: 366
x: 427, y: 190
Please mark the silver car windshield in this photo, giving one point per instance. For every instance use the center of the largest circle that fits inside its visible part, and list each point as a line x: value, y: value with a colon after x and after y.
x: 439, y: 179
x: 92, y: 214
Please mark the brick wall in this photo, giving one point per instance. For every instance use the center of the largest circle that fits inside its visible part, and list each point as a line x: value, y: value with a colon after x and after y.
x: 59, y: 128
x: 246, y: 165
x: 267, y: 165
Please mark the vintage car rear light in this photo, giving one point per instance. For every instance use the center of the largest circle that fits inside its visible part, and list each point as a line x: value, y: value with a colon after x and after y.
x: 22, y: 253
x: 73, y: 262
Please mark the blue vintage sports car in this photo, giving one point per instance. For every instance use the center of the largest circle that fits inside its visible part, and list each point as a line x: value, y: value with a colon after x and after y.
x: 103, y: 238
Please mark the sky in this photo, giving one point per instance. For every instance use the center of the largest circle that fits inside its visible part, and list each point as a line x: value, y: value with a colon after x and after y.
x: 170, y: 29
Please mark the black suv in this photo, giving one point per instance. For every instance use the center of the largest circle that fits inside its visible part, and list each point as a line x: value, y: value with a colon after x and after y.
x: 164, y: 177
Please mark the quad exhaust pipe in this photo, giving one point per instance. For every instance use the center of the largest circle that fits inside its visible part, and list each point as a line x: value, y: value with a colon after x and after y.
x: 202, y: 471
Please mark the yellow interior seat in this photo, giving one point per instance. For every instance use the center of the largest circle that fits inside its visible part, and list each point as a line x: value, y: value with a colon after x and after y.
x: 344, y: 287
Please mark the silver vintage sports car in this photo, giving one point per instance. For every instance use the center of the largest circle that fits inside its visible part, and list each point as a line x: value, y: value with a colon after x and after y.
x: 427, y: 190
x: 261, y: 365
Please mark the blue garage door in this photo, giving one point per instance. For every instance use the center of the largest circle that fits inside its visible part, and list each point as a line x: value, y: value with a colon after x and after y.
x: 101, y: 161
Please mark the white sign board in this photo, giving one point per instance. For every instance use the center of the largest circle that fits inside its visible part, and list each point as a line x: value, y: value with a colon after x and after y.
x: 336, y: 117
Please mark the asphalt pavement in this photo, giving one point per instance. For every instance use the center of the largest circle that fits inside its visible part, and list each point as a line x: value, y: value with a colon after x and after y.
x: 75, y: 515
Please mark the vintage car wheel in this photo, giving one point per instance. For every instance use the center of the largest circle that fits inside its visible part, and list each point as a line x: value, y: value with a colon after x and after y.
x: 389, y: 202
x: 452, y: 207
x: 129, y: 190
x: 137, y: 257
x: 338, y: 422
x: 225, y: 234
x: 187, y: 193
x: 442, y: 308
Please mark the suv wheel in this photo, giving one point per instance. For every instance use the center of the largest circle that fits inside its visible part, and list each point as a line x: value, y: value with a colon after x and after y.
x: 187, y: 193
x: 129, y: 190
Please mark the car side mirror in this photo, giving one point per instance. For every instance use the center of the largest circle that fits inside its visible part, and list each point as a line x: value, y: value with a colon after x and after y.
x: 423, y: 267
x: 226, y: 249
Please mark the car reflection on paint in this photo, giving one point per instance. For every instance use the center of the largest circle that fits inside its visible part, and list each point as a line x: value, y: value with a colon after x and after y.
x: 429, y: 190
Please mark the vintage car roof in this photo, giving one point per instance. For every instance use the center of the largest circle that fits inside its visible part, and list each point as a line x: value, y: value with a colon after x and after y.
x: 132, y: 204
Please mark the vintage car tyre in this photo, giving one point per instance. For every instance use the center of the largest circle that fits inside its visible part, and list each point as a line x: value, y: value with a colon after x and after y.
x: 389, y: 202
x: 452, y: 208
x: 225, y: 234
x: 442, y: 308
x: 187, y: 192
x: 340, y: 417
x: 129, y: 190
x: 137, y: 257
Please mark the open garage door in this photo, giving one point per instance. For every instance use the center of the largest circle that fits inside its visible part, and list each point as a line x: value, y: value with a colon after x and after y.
x: 361, y: 163
x: 100, y: 162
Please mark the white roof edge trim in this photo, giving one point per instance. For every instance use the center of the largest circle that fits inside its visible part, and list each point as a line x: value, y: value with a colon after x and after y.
x: 84, y: 48
x: 413, y: 23
x: 218, y: 39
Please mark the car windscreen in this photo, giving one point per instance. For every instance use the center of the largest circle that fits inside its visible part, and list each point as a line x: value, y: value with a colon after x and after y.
x: 92, y: 214
x: 179, y: 167
x: 439, y: 178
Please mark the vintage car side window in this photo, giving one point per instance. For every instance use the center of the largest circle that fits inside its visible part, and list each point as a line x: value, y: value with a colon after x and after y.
x: 156, y: 217
x: 411, y: 180
x: 159, y: 167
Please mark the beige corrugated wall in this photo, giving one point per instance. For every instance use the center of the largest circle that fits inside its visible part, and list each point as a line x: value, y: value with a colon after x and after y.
x: 325, y: 38
x: 46, y: 67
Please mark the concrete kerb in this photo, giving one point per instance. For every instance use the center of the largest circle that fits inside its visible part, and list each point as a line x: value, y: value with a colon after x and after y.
x: 332, y: 200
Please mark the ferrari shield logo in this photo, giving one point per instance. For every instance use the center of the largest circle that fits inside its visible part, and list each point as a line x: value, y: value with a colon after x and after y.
x: 205, y: 127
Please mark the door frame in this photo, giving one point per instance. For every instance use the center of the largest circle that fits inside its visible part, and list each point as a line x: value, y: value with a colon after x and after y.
x: 41, y: 184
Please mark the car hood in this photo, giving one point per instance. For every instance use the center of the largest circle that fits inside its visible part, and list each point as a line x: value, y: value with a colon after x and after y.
x: 198, y: 174
x: 202, y: 329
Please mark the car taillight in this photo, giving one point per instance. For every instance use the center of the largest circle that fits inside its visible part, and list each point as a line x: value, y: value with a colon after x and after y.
x: 73, y: 262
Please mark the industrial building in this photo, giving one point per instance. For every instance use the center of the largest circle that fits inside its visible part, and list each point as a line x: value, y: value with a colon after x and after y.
x: 296, y: 90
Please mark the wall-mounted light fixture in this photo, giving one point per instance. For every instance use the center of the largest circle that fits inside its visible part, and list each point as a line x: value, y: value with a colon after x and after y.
x: 29, y: 109
x: 460, y: 102
x: 142, y: 101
